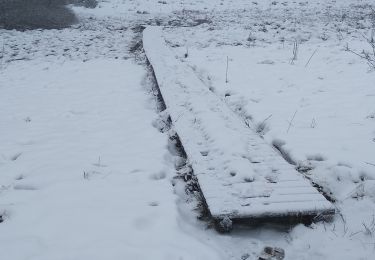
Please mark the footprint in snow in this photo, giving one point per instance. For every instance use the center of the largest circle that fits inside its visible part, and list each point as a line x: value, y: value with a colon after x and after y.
x: 15, y: 156
x: 24, y: 187
x: 153, y: 203
x: 19, y: 177
x: 158, y: 176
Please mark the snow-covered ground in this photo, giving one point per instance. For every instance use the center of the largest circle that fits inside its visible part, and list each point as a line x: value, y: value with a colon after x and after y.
x: 84, y: 174
x: 320, y: 111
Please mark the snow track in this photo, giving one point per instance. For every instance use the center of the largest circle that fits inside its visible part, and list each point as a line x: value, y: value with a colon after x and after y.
x: 239, y: 174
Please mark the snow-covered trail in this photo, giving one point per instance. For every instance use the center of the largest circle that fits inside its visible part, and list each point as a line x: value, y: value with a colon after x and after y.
x: 239, y: 174
x: 59, y: 201
x: 84, y: 174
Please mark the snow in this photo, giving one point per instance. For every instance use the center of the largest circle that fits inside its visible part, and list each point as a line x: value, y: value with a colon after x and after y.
x: 84, y: 174
x: 92, y: 176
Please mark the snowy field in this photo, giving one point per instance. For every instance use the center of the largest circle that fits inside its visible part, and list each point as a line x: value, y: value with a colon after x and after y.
x: 85, y: 172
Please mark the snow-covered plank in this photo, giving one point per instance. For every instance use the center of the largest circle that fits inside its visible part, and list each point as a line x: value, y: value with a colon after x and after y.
x: 239, y: 174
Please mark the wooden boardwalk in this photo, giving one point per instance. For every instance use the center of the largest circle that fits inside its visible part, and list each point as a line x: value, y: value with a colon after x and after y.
x: 239, y: 174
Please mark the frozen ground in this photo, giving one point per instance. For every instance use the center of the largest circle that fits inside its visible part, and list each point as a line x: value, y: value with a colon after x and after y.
x: 85, y: 175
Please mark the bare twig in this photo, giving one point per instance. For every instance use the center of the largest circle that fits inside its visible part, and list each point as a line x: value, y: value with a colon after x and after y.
x: 355, y: 233
x: 291, y: 121
x: 295, y: 52
x: 307, y: 63
x: 261, y: 128
x: 226, y: 71
x: 367, y: 55
x: 364, y: 55
x: 268, y: 117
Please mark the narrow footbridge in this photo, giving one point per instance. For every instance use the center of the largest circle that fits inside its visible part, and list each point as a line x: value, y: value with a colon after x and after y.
x: 239, y: 174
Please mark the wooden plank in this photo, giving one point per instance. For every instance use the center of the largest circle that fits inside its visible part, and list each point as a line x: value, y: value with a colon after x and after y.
x: 239, y: 174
